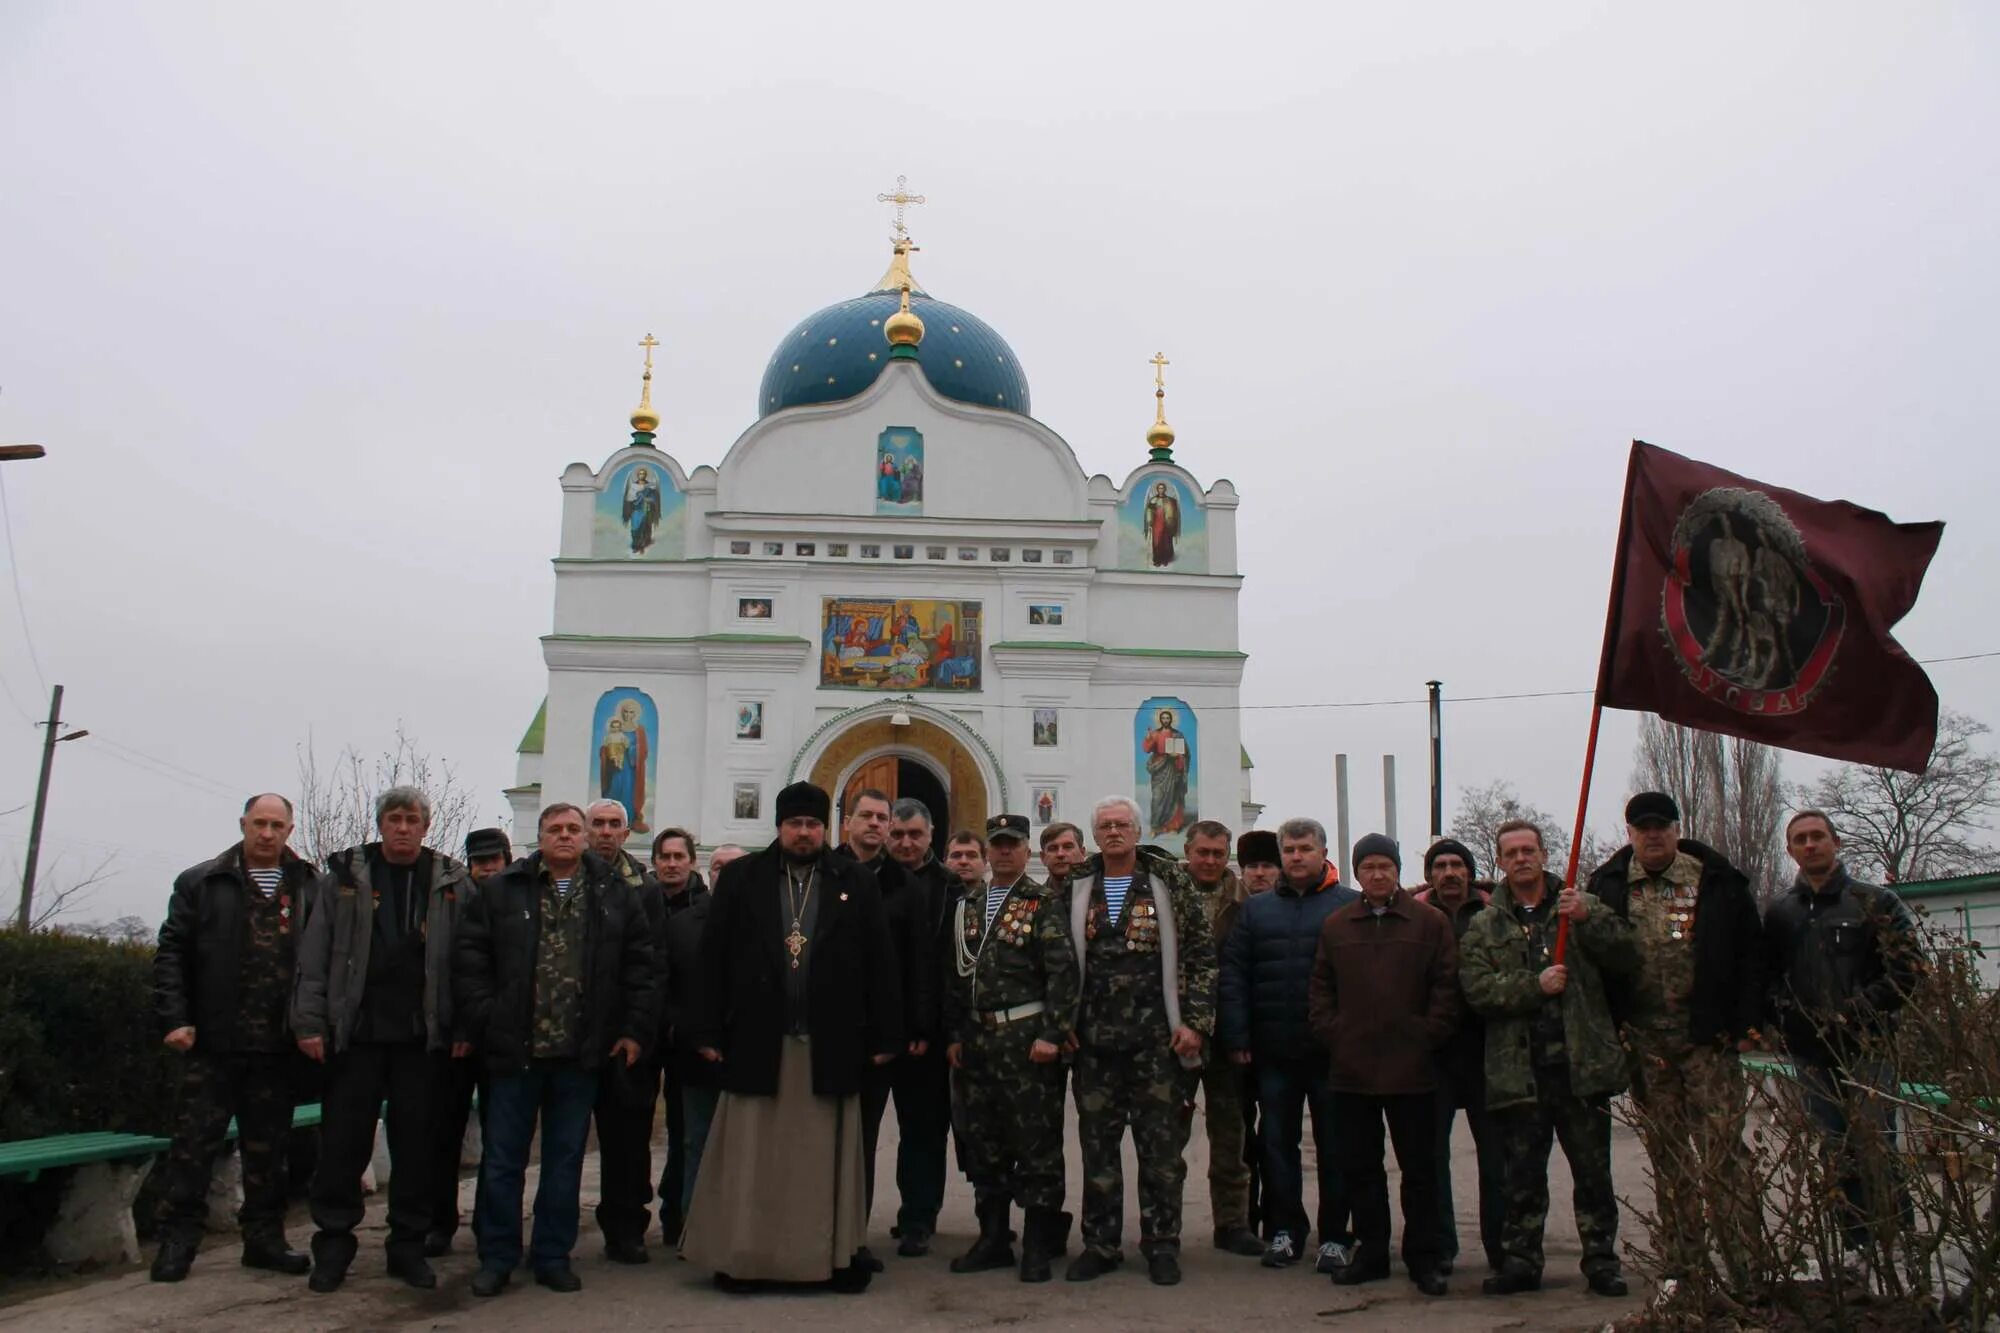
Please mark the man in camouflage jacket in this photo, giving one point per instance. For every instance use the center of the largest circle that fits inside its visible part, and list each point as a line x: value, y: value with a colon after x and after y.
x: 1004, y: 1032
x: 1553, y: 1056
x: 1144, y: 996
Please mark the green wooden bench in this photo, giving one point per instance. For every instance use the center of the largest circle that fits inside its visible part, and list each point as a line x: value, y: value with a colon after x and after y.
x: 1923, y: 1094
x: 28, y: 1158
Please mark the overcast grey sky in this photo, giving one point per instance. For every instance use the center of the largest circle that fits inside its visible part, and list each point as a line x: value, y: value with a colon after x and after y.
x: 311, y: 306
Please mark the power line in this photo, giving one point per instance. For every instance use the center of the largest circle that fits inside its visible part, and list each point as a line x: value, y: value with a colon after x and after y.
x: 163, y: 763
x: 20, y: 602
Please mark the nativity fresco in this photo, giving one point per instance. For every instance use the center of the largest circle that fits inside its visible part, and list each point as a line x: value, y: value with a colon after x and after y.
x: 875, y: 643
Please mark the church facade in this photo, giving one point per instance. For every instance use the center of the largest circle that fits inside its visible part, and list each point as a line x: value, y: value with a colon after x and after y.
x: 897, y: 578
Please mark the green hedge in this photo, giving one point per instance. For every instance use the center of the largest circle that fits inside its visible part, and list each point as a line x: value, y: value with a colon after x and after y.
x: 79, y: 1047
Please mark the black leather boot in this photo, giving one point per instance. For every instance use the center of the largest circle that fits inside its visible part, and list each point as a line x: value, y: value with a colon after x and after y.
x: 992, y: 1249
x: 273, y: 1252
x: 176, y: 1256
x: 1039, y: 1240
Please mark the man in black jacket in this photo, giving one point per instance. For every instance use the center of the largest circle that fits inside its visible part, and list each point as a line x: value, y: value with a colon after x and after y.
x: 222, y: 978
x: 1694, y: 1004
x: 903, y: 903
x: 799, y: 997
x: 487, y: 852
x: 922, y: 1078
x: 373, y: 1001
x: 626, y: 1096
x: 689, y: 1079
x: 554, y: 975
x: 1842, y: 957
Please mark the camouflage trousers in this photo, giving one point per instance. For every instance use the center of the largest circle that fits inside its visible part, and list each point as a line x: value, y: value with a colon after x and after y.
x: 1149, y: 1091
x: 1007, y: 1118
x: 257, y: 1090
x: 1583, y: 1126
x: 1690, y: 1102
x: 1222, y: 1101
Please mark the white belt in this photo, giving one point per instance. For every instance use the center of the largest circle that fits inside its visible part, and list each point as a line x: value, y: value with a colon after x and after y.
x: 1000, y: 1018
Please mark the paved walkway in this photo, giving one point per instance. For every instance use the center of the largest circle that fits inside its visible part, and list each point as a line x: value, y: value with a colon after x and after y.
x: 1219, y: 1291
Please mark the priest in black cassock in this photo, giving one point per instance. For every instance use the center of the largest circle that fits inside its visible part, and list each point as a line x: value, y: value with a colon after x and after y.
x: 799, y: 994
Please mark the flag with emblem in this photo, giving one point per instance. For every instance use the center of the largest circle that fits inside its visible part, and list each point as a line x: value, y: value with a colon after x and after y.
x: 1758, y: 612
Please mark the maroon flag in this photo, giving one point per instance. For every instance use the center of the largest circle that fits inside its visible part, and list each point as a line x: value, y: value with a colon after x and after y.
x: 1762, y: 613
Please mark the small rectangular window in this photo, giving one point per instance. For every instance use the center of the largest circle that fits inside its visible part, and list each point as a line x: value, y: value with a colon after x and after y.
x: 1031, y: 556
x: 870, y: 551
x: 934, y: 553
x: 1000, y: 553
x: 1065, y: 557
x: 836, y: 549
x: 739, y: 548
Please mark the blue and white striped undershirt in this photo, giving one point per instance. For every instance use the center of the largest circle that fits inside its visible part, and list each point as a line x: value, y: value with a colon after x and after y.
x: 266, y: 880
x: 562, y: 887
x: 996, y: 894
x: 1115, y: 889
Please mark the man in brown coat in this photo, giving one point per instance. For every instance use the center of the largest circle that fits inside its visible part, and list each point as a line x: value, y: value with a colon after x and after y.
x: 1384, y: 997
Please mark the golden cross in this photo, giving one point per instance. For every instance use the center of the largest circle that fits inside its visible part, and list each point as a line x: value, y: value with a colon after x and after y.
x: 1160, y: 364
x: 902, y: 199
x: 649, y: 342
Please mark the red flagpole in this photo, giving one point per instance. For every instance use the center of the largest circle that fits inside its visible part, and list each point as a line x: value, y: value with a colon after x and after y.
x: 1597, y: 698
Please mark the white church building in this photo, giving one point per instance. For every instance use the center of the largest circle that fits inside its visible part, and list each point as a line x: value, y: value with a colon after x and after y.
x: 896, y: 578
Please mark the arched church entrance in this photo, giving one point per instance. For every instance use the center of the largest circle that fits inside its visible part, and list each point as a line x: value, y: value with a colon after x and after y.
x: 900, y: 776
x: 916, y: 758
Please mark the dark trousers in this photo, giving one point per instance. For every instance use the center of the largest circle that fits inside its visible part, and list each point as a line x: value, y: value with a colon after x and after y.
x: 1852, y: 1112
x: 358, y: 1080
x: 626, y: 1099
x: 922, y: 1087
x: 257, y: 1090
x: 1455, y: 1095
x: 1583, y: 1126
x: 1286, y: 1089
x: 876, y: 1081
x: 673, y: 1186
x: 461, y: 1082
x: 1412, y: 1119
x: 558, y: 1093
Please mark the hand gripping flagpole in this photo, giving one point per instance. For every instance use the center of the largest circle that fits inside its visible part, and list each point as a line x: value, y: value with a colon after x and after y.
x: 1597, y: 696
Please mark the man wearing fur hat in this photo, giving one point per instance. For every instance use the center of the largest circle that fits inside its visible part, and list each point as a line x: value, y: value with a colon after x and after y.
x: 799, y: 995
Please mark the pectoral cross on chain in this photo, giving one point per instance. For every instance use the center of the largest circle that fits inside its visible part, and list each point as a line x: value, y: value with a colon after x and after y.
x: 795, y: 945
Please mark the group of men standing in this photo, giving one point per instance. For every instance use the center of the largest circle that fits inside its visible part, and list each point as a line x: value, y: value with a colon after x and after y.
x: 779, y: 1015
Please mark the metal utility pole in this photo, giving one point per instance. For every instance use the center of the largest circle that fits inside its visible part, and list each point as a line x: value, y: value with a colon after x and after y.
x: 1436, y: 688
x: 49, y: 741
x: 1389, y: 795
x: 1341, y: 843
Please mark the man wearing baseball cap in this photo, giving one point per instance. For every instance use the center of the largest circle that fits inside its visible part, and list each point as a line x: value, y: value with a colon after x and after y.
x: 1686, y: 1014
x: 1004, y: 1030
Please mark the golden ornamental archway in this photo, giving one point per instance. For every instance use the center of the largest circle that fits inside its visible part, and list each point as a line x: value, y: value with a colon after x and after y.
x: 966, y: 788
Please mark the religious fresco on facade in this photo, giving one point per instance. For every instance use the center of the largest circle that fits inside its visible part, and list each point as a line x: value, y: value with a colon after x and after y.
x: 1165, y: 751
x: 1161, y: 526
x: 639, y: 514
x: 625, y: 735
x: 1047, y: 727
x: 1042, y: 613
x: 750, y: 720
x: 876, y: 643
x: 899, y: 471
x: 744, y: 800
x: 1045, y: 803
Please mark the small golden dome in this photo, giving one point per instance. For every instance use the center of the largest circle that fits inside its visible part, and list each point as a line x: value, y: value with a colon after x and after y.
x: 645, y: 418
x: 904, y: 328
x: 1160, y: 435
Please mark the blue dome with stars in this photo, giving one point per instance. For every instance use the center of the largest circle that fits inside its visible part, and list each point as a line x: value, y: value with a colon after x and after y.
x: 837, y: 352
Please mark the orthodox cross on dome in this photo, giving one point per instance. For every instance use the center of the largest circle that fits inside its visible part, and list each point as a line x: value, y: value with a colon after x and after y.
x: 1160, y: 435
x: 902, y: 199
x: 645, y: 421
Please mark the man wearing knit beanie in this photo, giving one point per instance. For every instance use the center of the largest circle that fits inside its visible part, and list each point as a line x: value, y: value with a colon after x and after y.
x: 1384, y: 995
x: 1450, y: 873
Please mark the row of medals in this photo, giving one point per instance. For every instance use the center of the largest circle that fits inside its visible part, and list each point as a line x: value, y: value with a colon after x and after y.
x: 1142, y: 930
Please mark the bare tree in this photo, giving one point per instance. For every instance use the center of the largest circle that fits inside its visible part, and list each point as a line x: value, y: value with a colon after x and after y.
x: 1730, y: 792
x: 73, y: 892
x: 124, y: 930
x: 336, y: 802
x: 1897, y: 826
x: 1482, y: 810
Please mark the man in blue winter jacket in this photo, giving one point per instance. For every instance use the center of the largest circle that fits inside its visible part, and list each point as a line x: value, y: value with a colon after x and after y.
x: 1266, y: 970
